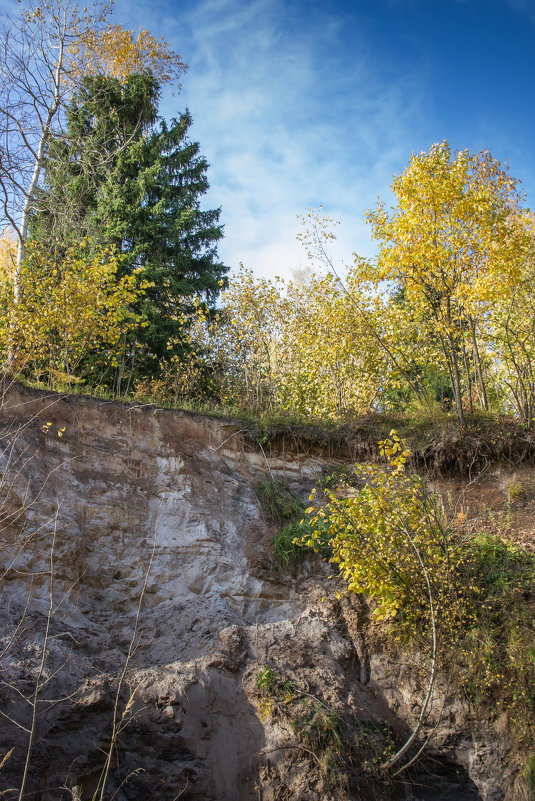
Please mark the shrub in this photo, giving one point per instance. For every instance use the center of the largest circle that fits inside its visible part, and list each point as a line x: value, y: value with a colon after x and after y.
x: 470, y: 598
x: 389, y: 539
x: 289, y: 546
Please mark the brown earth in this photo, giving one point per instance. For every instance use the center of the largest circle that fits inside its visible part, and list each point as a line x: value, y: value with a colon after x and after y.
x: 143, y: 504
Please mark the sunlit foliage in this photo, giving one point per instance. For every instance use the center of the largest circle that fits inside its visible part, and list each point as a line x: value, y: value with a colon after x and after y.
x: 67, y: 310
x: 118, y: 53
x: 389, y: 538
x: 450, y: 245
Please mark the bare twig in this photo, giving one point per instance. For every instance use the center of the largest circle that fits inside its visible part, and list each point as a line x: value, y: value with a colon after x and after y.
x: 44, y: 652
x: 241, y: 431
x: 118, y: 719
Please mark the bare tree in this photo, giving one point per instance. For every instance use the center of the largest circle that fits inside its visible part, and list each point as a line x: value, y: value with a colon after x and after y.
x: 41, y: 55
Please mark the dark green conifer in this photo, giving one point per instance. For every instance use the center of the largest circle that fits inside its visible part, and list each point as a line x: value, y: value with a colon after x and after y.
x: 123, y: 177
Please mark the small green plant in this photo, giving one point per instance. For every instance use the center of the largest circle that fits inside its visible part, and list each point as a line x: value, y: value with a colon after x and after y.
x: 278, y: 501
x: 284, y: 507
x: 266, y: 681
x: 273, y: 690
x: 499, y: 565
x: 316, y: 726
x: 341, y: 474
x: 321, y: 729
x: 376, y: 740
x: 513, y: 488
x: 529, y: 774
x: 270, y: 683
x: 496, y: 660
x: 289, y: 546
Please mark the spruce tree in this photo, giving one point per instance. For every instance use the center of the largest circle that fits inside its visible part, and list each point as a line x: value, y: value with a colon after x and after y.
x: 104, y: 120
x: 124, y: 177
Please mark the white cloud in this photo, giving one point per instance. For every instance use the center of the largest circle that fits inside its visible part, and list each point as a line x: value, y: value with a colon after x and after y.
x: 289, y: 115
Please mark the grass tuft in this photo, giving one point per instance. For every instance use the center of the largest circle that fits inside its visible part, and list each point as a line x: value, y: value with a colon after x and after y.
x: 278, y: 501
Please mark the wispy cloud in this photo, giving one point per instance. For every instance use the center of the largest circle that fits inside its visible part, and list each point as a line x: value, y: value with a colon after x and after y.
x: 291, y: 109
x: 290, y: 114
x: 524, y: 6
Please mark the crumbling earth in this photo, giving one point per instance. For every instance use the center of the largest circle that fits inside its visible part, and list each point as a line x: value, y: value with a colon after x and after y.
x: 174, y: 646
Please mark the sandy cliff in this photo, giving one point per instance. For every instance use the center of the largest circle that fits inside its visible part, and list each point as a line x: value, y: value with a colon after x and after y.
x: 137, y: 497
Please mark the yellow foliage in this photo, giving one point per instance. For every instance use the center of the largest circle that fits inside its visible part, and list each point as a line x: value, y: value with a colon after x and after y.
x: 450, y: 239
x: 8, y: 256
x: 66, y: 310
x: 452, y: 247
x: 332, y: 363
x: 294, y: 346
x: 388, y: 540
x: 117, y: 52
x: 509, y: 334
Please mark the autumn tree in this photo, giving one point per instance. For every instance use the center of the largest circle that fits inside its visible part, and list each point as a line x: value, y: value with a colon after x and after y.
x: 294, y: 347
x: 391, y: 542
x: 331, y: 366
x: 68, y: 308
x: 34, y: 85
x: 245, y: 341
x: 8, y: 255
x: 509, y: 334
x: 118, y: 53
x: 449, y: 245
x: 390, y: 333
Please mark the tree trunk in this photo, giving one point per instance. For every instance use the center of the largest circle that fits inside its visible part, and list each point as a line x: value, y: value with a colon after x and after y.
x: 477, y: 365
x: 45, y: 133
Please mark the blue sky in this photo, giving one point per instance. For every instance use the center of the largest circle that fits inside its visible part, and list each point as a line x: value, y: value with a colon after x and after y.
x: 302, y: 103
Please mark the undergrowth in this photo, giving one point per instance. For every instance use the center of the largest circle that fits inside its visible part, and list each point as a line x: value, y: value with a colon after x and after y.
x: 288, y: 511
x: 339, y: 747
x: 497, y: 655
x: 289, y: 545
x: 463, y: 598
x: 278, y: 501
x: 376, y: 739
x: 318, y: 729
x: 530, y: 776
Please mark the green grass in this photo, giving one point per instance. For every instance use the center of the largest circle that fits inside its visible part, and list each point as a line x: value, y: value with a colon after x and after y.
x: 315, y: 726
x: 290, y: 548
x: 530, y: 777
x: 278, y: 501
x: 287, y: 553
x: 286, y: 509
x: 269, y: 683
x: 500, y: 566
x: 498, y: 655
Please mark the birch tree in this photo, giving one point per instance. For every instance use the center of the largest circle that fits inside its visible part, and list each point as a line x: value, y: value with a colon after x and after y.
x: 45, y: 52
x: 449, y: 245
x: 35, y: 82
